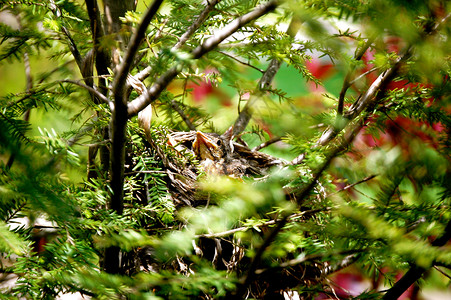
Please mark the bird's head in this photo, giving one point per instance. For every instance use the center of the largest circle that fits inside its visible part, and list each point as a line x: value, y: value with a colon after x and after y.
x: 207, y: 147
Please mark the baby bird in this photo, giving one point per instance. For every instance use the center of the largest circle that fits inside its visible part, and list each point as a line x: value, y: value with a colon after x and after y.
x: 210, y: 152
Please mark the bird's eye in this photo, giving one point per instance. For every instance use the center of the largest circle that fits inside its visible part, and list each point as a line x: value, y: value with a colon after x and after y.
x: 219, y: 142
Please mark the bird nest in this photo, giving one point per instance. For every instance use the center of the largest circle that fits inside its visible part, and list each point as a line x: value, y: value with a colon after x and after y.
x: 188, y: 156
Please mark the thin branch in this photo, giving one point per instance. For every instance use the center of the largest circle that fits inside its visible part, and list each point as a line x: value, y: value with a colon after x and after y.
x: 347, y: 83
x: 185, y: 37
x: 100, y: 55
x: 415, y: 272
x: 241, y: 62
x: 245, y: 115
x: 264, y: 224
x: 300, y: 195
x: 251, y: 270
x: 375, y: 91
x: 345, y: 262
x: 362, y: 75
x: 267, y: 143
x: 196, y: 24
x: 89, y: 89
x: 300, y: 260
x: 182, y: 114
x: 366, y: 102
x: 353, y: 184
x: 133, y: 46
x: 347, y: 140
x: 233, y: 26
x: 142, y: 101
x: 443, y: 273
x: 72, y: 46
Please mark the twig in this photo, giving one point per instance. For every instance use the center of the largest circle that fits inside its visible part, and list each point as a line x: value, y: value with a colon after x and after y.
x: 443, y: 273
x: 182, y: 114
x: 347, y: 83
x: 353, y: 184
x: 362, y: 75
x: 345, y: 262
x: 298, y: 261
x: 102, y: 57
x: 241, y: 62
x: 184, y: 38
x: 88, y: 88
x: 245, y: 115
x: 300, y: 195
x: 132, y: 48
x: 375, y: 91
x: 267, y: 143
x: 415, y: 272
x: 233, y: 26
x: 196, y: 24
x: 264, y: 224
x: 347, y: 140
x: 251, y: 271
x: 142, y: 101
x: 366, y: 102
x: 72, y: 46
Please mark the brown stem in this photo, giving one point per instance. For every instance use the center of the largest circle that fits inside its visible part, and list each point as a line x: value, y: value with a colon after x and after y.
x: 118, y: 125
x: 147, y: 98
x: 102, y: 61
x: 251, y: 271
x: 365, y: 103
x: 182, y: 114
x: 415, y: 272
x: 185, y: 37
x: 347, y: 83
x: 245, y: 115
x: 267, y: 143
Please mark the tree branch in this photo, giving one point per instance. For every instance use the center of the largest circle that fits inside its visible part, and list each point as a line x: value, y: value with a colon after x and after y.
x: 347, y: 83
x: 185, y: 37
x: 72, y: 46
x: 347, y: 140
x: 264, y: 224
x: 102, y: 59
x: 142, y: 101
x: 196, y: 24
x: 267, y: 143
x: 119, y: 113
x: 368, y: 178
x: 246, y: 114
x: 182, y: 114
x: 300, y: 195
x: 415, y: 272
x: 241, y: 62
x: 366, y: 102
x: 101, y: 56
x: 89, y: 89
x: 251, y: 270
x: 135, y: 42
x: 298, y: 261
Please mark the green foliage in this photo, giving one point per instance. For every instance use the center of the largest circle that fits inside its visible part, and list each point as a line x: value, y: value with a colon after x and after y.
x: 371, y: 190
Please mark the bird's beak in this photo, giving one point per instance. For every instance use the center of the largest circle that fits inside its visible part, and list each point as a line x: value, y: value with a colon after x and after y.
x: 204, y: 147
